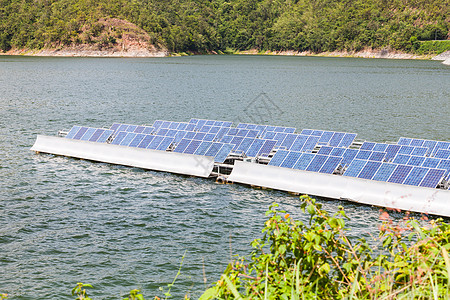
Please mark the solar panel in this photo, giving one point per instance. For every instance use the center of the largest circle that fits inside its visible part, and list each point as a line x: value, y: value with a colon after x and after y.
x: 146, y: 141
x: 330, y: 165
x: 114, y: 126
x: 226, y: 139
x: 291, y: 159
x: 148, y: 130
x: 416, y: 161
x: 252, y: 133
x: 205, y: 128
x: 214, y: 129
x: 242, y: 132
x: 279, y: 129
x: 190, y: 135
x: 223, y: 153
x: 317, y: 133
x: 317, y: 163
x: 214, y: 149
x: 241, y: 125
x: 289, y: 140
x: 433, y: 178
x: 430, y: 145
x: 192, y: 147
x: 255, y: 148
x: 251, y: 126
x: 209, y: 137
x: 347, y: 140
x: 261, y: 129
x: 326, y: 137
x: 443, y: 154
x: 416, y: 176
x: 363, y: 154
x: 401, y: 159
x: 306, y: 131
x: 139, y: 129
x: 119, y: 137
x: 304, y: 160
x: 367, y: 146
x: 218, y: 123
x: 201, y: 150
x: 336, y: 139
x: 444, y: 164
x: 182, y: 145
x: 431, y: 162
x: 369, y: 169
x: 245, y: 144
x: 190, y: 127
x: 221, y: 133
x: 199, y: 136
x: 384, y: 172
x: 182, y: 126
x: 233, y: 131
x: 400, y: 173
x: 266, y: 148
x: 406, y: 150
x: 355, y: 168
x: 162, y: 131
x: 122, y: 127
x: 88, y: 134
x: 381, y: 147
x: 391, y: 151
x: 237, y: 140
x: 155, y: 142
x: 137, y: 140
x: 279, y: 137
x: 179, y: 136
x: 278, y: 158
x: 171, y: 132
x: 417, y: 142
x: 377, y: 156
x: 299, y: 142
x: 269, y: 135
x: 131, y: 128
x: 210, y: 122
x: 310, y: 143
x: 157, y: 124
x: 419, y: 151
x: 104, y: 136
x: 72, y: 132
x: 325, y: 150
x: 199, y: 124
x: 404, y: 141
x: 348, y: 156
x: 80, y: 133
x: 289, y: 130
x: 128, y: 138
x: 227, y: 124
x: 338, y: 151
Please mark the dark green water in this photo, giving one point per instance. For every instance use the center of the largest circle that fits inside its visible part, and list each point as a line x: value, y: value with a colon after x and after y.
x: 64, y: 220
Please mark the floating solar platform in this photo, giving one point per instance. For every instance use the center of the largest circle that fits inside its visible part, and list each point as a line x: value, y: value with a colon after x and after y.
x: 411, y: 174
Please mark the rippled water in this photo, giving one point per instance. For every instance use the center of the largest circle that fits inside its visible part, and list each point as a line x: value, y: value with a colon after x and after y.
x: 64, y: 220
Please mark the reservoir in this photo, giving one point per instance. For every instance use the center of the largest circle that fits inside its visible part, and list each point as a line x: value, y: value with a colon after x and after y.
x: 64, y: 220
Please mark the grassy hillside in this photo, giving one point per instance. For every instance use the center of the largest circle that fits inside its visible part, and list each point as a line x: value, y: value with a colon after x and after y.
x: 211, y: 25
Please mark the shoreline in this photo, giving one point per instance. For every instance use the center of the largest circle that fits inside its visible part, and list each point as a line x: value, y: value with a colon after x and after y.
x: 145, y: 53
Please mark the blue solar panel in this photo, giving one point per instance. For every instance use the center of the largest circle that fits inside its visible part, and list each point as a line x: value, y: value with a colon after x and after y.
x: 245, y: 144
x: 416, y: 176
x: 363, y: 154
x: 227, y: 124
x: 252, y: 133
x: 381, y: 147
x: 391, y: 151
x: 404, y: 141
x: 255, y: 148
x: 430, y: 145
x: 139, y: 129
x: 179, y: 136
x: 155, y: 142
x: 377, y: 156
x: 297, y: 145
x: 317, y: 163
x: 330, y: 165
x: 440, y: 145
x: 278, y: 158
x: 367, y: 146
x: 348, y: 156
x: 122, y: 127
x: 221, y: 133
x: 200, y: 124
x: 325, y: 150
x: 137, y: 140
x: 131, y: 128
x: 165, y: 143
x: 210, y: 122
x: 419, y: 151
x: 347, y: 140
x: 205, y: 128
x: 119, y: 137
x: 226, y: 139
x: 214, y: 129
x: 115, y: 126
x: 127, y: 140
x: 336, y: 139
x: 214, y: 149
x: 290, y: 159
x: 192, y: 147
x: 279, y: 137
x: 279, y: 129
x: 233, y: 131
x: 317, y: 133
x: 369, y: 169
x: 148, y: 130
x: 384, y: 172
x: 80, y: 133
x: 310, y: 143
x: 289, y: 140
x: 201, y: 150
x: 72, y: 132
x: 266, y: 147
x: 174, y: 125
x: 182, y: 126
x: 171, y: 132
x: 105, y: 136
x: 242, y: 132
x: 326, y: 137
x: 237, y: 140
x: 400, y: 173
x: 162, y: 131
x: 241, y: 125
x: 304, y: 160
x: 406, y: 150
x: 444, y: 164
x: 190, y: 135
x: 269, y: 135
x: 146, y: 141
x: 417, y: 142
x: 157, y: 124
x: 355, y: 168
x: 97, y: 134
x: 218, y: 123
x: 306, y: 131
x: 416, y: 161
x: 443, y: 154
x: 431, y: 162
x: 88, y: 134
x: 261, y: 129
x: 433, y: 178
x: 401, y: 159
x: 223, y: 153
x: 199, y: 136
x: 193, y: 121
x: 182, y: 145
x: 251, y: 126
x: 289, y: 130
x: 209, y: 137
x: 338, y: 151
x: 190, y: 127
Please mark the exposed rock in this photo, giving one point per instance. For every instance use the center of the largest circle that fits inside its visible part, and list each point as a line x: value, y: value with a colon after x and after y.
x: 443, y: 56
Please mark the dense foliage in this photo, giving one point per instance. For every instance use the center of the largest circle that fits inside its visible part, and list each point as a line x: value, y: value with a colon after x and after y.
x: 213, y: 25
x: 317, y: 260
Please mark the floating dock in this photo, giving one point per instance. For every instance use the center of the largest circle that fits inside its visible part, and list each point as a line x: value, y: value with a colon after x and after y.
x: 410, y: 174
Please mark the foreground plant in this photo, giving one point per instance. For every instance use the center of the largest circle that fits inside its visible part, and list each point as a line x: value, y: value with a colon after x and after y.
x: 80, y: 292
x: 317, y: 260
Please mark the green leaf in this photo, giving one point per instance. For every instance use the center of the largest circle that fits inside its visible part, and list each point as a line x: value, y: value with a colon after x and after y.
x: 232, y: 288
x: 210, y: 293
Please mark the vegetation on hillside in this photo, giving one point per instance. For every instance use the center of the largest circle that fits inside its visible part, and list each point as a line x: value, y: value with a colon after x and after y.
x: 214, y: 25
